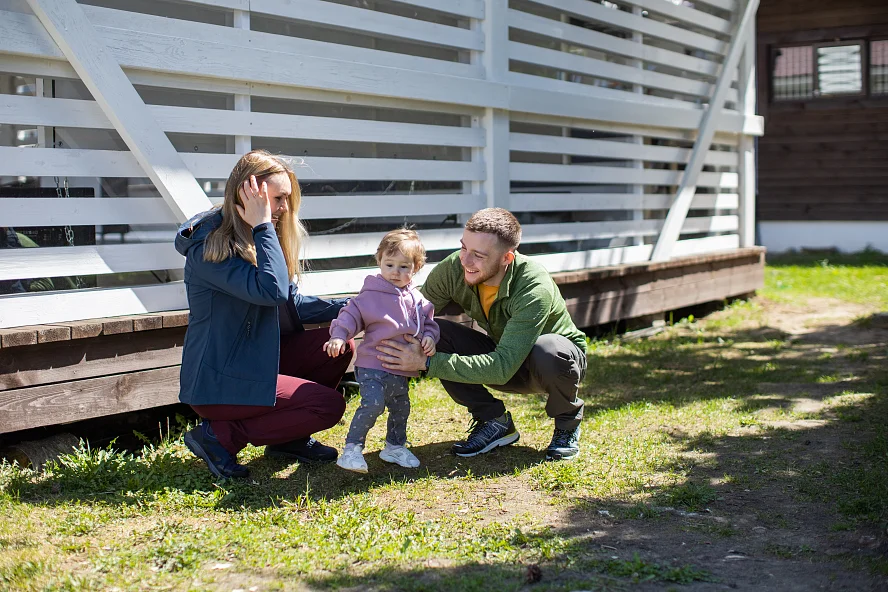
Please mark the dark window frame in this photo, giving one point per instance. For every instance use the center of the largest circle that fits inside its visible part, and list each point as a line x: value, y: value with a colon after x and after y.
x: 865, y: 66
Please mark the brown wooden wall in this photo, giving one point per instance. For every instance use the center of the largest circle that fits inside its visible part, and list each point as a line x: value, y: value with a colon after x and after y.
x: 822, y: 159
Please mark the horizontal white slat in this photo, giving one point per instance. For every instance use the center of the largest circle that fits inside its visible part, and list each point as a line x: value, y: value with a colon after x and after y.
x: 709, y: 244
x: 370, y: 22
x: 23, y: 212
x: 686, y: 14
x: 85, y: 211
x: 106, y: 18
x: 146, y: 58
x: 727, y: 5
x: 579, y: 202
x: 88, y: 260
x: 624, y: 20
x: 581, y: 36
x: 34, y: 162
x: 350, y: 245
x: 570, y: 62
x: 18, y: 310
x: 725, y: 138
x: 589, y: 91
x: 378, y: 206
x: 469, y: 8
x: 557, y: 173
x: 21, y: 110
x: 612, y: 149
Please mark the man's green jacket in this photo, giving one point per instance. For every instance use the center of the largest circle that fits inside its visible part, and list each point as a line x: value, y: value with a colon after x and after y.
x: 527, y: 305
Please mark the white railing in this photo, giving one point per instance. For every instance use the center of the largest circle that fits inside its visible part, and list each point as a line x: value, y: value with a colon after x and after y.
x: 580, y: 116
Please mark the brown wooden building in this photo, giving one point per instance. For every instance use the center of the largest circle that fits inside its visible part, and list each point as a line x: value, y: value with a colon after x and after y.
x: 823, y: 90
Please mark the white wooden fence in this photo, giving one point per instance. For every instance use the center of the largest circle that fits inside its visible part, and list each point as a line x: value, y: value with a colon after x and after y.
x: 588, y: 119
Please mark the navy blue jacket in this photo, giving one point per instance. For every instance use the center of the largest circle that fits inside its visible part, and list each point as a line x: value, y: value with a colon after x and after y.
x: 232, y: 346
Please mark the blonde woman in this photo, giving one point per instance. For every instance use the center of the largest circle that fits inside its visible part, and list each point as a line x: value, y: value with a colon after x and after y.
x: 248, y: 367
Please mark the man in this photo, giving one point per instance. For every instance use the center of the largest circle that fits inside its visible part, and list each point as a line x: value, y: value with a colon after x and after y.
x: 531, y: 346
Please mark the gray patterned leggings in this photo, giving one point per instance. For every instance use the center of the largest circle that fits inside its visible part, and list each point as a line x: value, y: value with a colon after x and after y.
x: 379, y: 390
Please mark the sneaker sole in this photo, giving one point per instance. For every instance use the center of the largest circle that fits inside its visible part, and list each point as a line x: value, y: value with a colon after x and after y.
x: 504, y: 441
x: 200, y: 453
x: 361, y: 471
x: 555, y: 457
x: 394, y: 461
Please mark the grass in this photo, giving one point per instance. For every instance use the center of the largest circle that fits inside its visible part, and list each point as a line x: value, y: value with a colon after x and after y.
x: 710, y: 411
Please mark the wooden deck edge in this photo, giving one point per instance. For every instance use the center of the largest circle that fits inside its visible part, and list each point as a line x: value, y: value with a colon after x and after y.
x: 37, y: 334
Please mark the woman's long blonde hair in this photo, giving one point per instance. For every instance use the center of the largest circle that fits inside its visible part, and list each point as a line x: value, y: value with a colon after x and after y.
x: 235, y: 237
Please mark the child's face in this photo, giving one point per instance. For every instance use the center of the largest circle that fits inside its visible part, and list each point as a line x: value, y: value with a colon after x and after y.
x: 397, y: 269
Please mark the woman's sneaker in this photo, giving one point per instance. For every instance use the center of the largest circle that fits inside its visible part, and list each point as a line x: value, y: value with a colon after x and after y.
x: 399, y: 455
x: 352, y: 458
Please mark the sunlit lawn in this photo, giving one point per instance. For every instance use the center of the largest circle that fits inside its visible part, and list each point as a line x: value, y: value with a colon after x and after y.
x: 669, y: 420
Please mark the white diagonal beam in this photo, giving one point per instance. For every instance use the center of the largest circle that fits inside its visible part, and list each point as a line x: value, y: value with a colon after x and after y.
x: 112, y: 90
x: 688, y: 187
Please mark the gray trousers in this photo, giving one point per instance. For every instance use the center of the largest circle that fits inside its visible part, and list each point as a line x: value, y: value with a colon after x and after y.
x: 379, y: 390
x: 555, y: 366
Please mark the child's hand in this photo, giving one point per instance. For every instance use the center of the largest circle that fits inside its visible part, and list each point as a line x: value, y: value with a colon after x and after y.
x: 428, y: 346
x: 334, y: 347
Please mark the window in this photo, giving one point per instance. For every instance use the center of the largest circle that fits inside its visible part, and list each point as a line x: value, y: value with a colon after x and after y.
x: 879, y: 67
x: 829, y: 70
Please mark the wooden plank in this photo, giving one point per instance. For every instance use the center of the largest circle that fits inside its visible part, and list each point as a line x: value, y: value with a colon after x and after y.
x: 174, y: 319
x: 570, y: 62
x: 625, y: 20
x: 112, y: 163
x: 109, y: 19
x: 369, y: 22
x: 85, y: 329
x: 90, y: 358
x: 66, y: 402
x: 468, y: 8
x: 18, y: 337
x: 101, y: 259
x: 22, y: 110
x: 615, y: 149
x: 692, y: 173
x: 573, y: 34
x: 572, y: 202
x: 102, y: 75
x: 686, y: 14
x: 72, y: 305
x: 557, y: 173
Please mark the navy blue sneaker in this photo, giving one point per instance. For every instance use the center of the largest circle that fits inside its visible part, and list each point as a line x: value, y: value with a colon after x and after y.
x: 304, y: 450
x: 565, y: 444
x: 484, y: 436
x: 203, y: 443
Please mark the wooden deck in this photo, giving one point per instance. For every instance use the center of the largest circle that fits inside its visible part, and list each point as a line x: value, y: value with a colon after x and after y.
x: 56, y: 374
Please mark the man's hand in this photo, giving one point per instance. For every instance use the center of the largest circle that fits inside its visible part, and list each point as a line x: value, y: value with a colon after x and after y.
x: 407, y: 357
x: 428, y: 346
x: 334, y: 347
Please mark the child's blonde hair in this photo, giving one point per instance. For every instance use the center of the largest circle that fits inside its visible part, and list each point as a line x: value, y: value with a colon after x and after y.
x: 404, y: 241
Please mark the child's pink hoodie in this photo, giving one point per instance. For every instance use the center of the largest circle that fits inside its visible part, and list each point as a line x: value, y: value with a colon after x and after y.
x: 384, y: 311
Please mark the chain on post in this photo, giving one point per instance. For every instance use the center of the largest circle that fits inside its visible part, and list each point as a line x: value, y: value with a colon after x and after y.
x: 69, y: 231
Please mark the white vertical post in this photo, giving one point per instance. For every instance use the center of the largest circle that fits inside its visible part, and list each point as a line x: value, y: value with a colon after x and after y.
x: 40, y: 91
x: 746, y: 82
x: 242, y: 144
x: 678, y: 212
x: 496, y: 121
x: 637, y: 189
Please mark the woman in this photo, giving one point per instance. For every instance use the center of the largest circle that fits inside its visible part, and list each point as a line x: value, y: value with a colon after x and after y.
x: 248, y: 367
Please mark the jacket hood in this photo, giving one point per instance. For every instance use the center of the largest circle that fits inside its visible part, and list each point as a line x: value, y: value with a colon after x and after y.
x: 194, y: 231
x: 377, y: 283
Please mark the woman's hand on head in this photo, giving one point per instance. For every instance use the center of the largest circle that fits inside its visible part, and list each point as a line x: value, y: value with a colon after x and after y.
x: 256, y: 208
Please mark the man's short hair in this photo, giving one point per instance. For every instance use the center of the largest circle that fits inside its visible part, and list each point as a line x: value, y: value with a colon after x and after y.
x: 497, y: 221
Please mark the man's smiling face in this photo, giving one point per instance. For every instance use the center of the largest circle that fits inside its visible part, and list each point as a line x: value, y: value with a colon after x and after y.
x: 482, y: 258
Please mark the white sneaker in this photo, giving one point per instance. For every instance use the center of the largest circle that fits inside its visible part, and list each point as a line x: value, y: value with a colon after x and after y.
x: 399, y: 455
x: 352, y: 458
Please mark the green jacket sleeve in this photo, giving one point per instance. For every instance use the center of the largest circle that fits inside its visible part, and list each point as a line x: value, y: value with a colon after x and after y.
x: 528, y: 317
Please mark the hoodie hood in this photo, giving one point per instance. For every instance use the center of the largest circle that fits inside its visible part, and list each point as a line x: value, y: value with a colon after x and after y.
x: 377, y: 283
x: 194, y: 231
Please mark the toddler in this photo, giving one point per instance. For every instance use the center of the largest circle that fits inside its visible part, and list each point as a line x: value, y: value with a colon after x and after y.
x: 388, y: 307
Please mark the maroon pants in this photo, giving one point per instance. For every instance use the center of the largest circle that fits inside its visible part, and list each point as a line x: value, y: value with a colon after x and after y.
x: 307, y: 400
